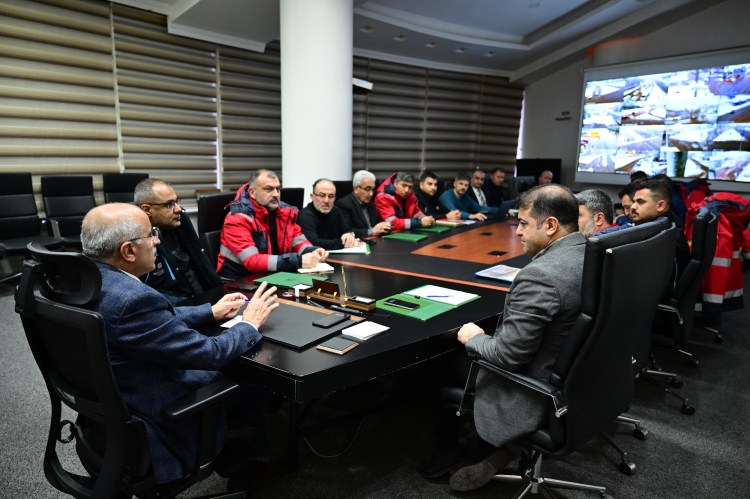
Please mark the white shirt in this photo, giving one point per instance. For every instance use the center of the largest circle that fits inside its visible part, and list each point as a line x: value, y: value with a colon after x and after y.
x: 480, y: 196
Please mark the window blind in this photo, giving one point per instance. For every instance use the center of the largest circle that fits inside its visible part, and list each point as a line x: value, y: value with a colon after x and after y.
x: 57, y: 103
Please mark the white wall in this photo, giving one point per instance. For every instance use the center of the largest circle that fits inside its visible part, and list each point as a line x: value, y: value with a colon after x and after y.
x: 720, y: 27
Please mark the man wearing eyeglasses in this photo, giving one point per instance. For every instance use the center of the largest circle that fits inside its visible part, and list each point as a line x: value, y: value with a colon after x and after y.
x: 358, y: 210
x: 261, y: 233
x: 322, y: 222
x: 182, y: 267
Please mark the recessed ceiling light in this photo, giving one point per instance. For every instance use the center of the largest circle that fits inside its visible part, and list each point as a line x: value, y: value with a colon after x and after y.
x: 400, y: 38
x: 489, y: 54
x: 534, y: 5
x: 432, y: 45
x: 462, y: 50
x: 367, y: 29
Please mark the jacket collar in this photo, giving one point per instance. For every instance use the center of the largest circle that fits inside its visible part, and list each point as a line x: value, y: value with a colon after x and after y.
x: 571, y: 239
x: 243, y: 203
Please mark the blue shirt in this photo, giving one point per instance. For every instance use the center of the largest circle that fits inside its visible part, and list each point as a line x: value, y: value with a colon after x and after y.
x: 464, y: 204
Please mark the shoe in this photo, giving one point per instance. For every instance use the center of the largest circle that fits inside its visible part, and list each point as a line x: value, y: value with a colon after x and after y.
x: 477, y: 475
x: 441, y: 463
x: 263, y: 474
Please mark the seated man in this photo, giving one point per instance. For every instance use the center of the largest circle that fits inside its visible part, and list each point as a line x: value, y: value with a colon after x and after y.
x: 156, y: 356
x: 652, y: 200
x: 427, y: 200
x: 455, y: 199
x: 540, y: 309
x: 595, y: 213
x: 627, y: 201
x: 397, y: 204
x: 494, y: 190
x: 544, y: 178
x: 261, y: 234
x: 182, y: 267
x: 322, y: 223
x: 477, y: 191
x: 358, y: 211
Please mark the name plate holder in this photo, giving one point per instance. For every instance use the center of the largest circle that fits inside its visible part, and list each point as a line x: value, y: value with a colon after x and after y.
x: 328, y: 292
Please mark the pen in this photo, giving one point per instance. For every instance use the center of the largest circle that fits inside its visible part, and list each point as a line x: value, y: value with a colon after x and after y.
x: 439, y: 296
x: 240, y: 299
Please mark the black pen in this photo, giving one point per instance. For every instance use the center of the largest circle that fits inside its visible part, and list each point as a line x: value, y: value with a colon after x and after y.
x: 310, y: 302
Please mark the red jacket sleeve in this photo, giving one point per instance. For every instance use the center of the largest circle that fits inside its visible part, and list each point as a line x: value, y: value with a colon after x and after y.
x: 237, y: 237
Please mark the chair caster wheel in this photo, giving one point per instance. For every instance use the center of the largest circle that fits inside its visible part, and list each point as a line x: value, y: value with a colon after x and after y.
x: 687, y: 410
x: 692, y: 363
x: 607, y: 496
x: 627, y: 468
x: 640, y: 433
x: 719, y: 338
x: 676, y: 383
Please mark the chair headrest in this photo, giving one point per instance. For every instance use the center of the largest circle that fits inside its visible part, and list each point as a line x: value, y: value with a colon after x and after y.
x: 15, y: 183
x: 703, y: 220
x: 68, y: 278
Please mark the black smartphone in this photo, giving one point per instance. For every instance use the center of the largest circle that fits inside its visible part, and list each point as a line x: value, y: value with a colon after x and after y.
x: 393, y: 302
x: 243, y: 287
x: 331, y: 320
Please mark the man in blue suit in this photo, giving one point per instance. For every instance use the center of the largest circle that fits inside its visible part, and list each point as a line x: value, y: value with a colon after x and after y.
x: 156, y: 356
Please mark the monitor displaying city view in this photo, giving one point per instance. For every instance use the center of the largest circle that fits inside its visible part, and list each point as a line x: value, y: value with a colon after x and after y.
x: 687, y: 124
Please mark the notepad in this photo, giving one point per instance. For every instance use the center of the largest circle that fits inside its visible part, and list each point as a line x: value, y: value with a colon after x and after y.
x: 499, y: 272
x: 231, y: 322
x: 405, y: 237
x: 363, y: 331
x: 442, y: 295
x: 338, y: 346
x: 357, y: 250
x: 321, y: 267
x: 433, y: 229
x: 449, y: 223
x: 287, y: 279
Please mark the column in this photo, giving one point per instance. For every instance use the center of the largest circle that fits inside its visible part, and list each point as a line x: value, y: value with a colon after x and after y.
x: 316, y: 91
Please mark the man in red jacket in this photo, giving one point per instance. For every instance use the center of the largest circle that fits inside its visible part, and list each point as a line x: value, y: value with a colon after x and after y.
x: 397, y: 204
x: 261, y: 233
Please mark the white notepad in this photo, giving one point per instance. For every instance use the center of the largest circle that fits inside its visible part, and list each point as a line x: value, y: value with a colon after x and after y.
x: 234, y: 320
x: 321, y: 267
x: 361, y: 250
x: 363, y: 331
x: 442, y: 295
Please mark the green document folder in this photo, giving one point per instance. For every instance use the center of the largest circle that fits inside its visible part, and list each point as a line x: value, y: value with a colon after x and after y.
x: 437, y: 228
x: 427, y: 308
x: 405, y: 237
x: 286, y: 280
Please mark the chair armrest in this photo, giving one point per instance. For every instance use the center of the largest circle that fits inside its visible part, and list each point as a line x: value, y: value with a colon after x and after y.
x: 200, y: 399
x: 226, y: 280
x: 55, y: 228
x: 531, y: 382
x: 670, y: 308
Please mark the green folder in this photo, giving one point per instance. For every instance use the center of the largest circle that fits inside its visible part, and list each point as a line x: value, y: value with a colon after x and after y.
x: 437, y: 228
x: 405, y: 237
x: 286, y: 280
x: 427, y: 308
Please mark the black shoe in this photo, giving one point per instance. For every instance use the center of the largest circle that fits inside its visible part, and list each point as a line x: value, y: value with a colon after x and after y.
x: 478, y: 475
x: 441, y: 463
x: 263, y: 474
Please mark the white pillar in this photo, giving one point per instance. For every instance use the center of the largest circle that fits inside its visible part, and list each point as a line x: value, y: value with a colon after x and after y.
x: 316, y: 91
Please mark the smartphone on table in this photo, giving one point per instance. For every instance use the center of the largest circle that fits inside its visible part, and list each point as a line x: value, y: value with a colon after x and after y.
x: 393, y: 302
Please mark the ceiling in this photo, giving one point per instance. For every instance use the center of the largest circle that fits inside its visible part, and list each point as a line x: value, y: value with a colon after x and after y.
x: 524, y: 40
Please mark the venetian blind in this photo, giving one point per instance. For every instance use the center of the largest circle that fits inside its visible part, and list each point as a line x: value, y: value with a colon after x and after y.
x: 57, y: 103
x: 167, y: 102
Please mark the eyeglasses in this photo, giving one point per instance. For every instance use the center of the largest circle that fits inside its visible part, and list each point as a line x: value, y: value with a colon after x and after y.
x: 154, y: 234
x: 324, y: 196
x: 366, y: 189
x: 169, y: 204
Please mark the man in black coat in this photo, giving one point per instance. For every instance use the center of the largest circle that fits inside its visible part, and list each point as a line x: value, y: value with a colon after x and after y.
x: 323, y: 223
x: 357, y: 209
x: 428, y: 201
x: 494, y: 190
x: 183, y: 269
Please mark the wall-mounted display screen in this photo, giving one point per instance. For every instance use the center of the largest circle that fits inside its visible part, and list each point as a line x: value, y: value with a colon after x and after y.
x: 687, y: 124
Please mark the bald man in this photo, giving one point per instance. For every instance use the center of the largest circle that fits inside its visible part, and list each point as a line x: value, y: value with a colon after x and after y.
x: 156, y: 356
x: 545, y: 178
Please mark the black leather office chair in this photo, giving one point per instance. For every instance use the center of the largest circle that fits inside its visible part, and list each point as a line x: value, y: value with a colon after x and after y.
x: 120, y: 187
x: 294, y: 196
x: 517, y: 185
x: 19, y: 222
x: 67, y: 199
x: 592, y: 380
x: 212, y: 209
x: 70, y: 349
x: 343, y: 188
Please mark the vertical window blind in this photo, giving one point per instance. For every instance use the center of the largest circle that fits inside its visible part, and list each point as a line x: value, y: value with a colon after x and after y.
x: 89, y: 87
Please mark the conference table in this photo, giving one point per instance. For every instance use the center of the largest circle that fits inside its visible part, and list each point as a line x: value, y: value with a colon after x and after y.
x: 447, y: 259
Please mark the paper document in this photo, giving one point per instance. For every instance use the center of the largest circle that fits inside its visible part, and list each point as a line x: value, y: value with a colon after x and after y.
x: 363, y: 331
x: 234, y: 320
x: 500, y: 272
x: 362, y: 250
x: 442, y: 295
x: 321, y: 267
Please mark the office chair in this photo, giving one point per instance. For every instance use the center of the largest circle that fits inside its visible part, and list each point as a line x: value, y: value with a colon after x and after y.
x: 592, y: 380
x: 120, y: 187
x: 19, y: 222
x: 67, y: 199
x: 343, y: 188
x: 517, y: 185
x: 212, y: 210
x: 70, y: 349
x: 294, y: 196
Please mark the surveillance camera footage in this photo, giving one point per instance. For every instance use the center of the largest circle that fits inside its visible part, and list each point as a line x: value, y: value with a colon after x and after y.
x: 687, y: 124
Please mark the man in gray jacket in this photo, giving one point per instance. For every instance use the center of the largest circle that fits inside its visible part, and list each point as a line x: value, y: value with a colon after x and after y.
x: 540, y: 309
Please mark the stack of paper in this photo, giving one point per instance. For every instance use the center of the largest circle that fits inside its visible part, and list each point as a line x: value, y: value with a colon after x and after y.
x: 442, y: 295
x: 452, y: 223
x: 362, y: 250
x: 321, y: 267
x: 363, y: 331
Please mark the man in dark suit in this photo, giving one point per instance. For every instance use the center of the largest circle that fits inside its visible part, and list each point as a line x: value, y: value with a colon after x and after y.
x: 494, y: 190
x: 156, y: 356
x: 322, y: 221
x: 540, y: 309
x: 428, y: 201
x: 476, y: 190
x: 358, y: 210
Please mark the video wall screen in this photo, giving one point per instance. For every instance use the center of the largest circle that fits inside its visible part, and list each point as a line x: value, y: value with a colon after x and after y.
x: 687, y: 124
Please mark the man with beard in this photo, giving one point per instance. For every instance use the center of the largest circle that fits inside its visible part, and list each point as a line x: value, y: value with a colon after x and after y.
x: 427, y: 200
x: 358, y: 209
x: 595, y: 213
x: 456, y: 199
x: 322, y: 222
